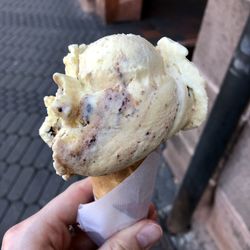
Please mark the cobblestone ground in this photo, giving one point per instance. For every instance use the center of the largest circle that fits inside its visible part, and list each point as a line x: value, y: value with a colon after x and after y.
x: 34, y: 36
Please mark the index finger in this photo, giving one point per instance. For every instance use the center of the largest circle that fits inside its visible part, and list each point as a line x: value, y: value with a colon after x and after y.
x: 64, y: 207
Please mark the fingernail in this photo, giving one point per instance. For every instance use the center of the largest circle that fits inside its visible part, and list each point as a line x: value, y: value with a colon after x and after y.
x: 149, y: 235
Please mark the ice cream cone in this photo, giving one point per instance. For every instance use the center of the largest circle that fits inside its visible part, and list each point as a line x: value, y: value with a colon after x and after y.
x: 119, y: 98
x: 104, y: 184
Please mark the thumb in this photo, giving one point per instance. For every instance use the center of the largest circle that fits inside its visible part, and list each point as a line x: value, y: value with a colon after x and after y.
x: 141, y: 235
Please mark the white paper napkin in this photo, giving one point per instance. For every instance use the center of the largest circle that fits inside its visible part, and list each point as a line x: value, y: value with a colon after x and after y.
x: 123, y: 206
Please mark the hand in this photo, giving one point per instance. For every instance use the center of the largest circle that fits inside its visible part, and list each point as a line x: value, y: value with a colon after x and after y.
x: 49, y: 228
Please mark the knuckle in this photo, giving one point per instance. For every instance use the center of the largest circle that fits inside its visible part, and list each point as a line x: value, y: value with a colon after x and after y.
x: 9, y: 237
x: 11, y: 232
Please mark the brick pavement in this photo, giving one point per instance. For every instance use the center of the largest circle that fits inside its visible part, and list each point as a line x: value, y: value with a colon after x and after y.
x: 34, y: 36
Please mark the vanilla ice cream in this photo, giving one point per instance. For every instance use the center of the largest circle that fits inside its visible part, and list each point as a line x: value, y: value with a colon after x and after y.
x: 119, y: 98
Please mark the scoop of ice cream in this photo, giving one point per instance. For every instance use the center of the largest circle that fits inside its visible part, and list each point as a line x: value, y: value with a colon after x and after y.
x: 119, y: 99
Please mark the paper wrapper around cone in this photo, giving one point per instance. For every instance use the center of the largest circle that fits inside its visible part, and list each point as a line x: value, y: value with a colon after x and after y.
x: 104, y: 184
x: 124, y: 205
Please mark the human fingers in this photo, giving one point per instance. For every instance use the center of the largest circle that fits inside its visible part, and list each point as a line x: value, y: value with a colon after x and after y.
x: 80, y: 241
x: 50, y: 226
x: 64, y: 207
x: 141, y: 235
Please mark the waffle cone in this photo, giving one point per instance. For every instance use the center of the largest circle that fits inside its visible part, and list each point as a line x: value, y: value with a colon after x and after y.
x: 104, y: 184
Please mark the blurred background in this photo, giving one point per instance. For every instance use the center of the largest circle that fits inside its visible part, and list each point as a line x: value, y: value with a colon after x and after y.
x: 34, y: 35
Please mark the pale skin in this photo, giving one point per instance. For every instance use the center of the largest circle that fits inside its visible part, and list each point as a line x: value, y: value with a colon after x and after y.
x: 49, y: 228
